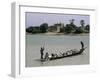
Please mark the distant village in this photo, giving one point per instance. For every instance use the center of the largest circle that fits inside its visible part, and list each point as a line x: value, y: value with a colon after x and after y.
x: 60, y: 28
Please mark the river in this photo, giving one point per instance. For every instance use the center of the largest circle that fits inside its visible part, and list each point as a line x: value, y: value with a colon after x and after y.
x: 55, y: 44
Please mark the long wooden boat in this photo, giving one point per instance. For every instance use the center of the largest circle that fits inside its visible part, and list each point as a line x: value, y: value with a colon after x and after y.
x: 72, y: 52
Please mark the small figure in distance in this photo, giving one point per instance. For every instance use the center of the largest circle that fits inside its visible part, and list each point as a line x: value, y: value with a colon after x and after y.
x: 41, y: 52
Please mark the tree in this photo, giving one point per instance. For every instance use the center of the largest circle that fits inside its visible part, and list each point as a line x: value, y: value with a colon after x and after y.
x: 68, y: 28
x: 29, y: 29
x: 87, y: 27
x: 82, y: 22
x: 79, y: 30
x: 72, y: 23
x: 71, y: 27
x: 43, y: 27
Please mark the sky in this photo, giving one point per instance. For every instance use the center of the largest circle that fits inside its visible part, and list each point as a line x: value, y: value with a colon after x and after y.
x: 36, y: 19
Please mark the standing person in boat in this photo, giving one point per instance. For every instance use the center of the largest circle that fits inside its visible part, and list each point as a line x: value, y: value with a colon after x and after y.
x: 41, y: 52
x: 82, y: 44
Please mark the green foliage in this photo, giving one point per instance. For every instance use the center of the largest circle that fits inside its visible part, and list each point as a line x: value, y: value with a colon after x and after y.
x: 70, y: 28
x: 29, y: 30
x: 79, y: 30
x: 87, y: 27
x: 33, y: 30
x: 38, y: 29
x: 82, y: 22
x: 72, y: 24
x: 43, y: 27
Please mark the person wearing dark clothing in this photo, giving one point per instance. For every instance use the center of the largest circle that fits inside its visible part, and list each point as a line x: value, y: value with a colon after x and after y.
x: 41, y: 52
x: 46, y: 56
x: 82, y: 44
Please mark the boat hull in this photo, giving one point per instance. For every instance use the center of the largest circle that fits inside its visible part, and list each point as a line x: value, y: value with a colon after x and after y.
x: 59, y: 57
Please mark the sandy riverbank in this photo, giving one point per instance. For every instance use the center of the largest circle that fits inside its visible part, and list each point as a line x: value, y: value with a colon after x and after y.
x: 54, y: 33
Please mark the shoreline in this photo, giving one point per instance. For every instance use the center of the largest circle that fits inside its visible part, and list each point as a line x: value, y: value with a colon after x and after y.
x: 59, y: 34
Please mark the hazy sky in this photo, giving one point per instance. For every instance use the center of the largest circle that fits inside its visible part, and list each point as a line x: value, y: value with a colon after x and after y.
x: 36, y: 19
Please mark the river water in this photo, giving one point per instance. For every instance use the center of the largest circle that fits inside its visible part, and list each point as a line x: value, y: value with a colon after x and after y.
x: 55, y: 44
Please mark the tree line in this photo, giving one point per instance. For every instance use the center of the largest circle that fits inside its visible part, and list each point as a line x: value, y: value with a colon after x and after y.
x: 37, y: 29
x: 68, y: 28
